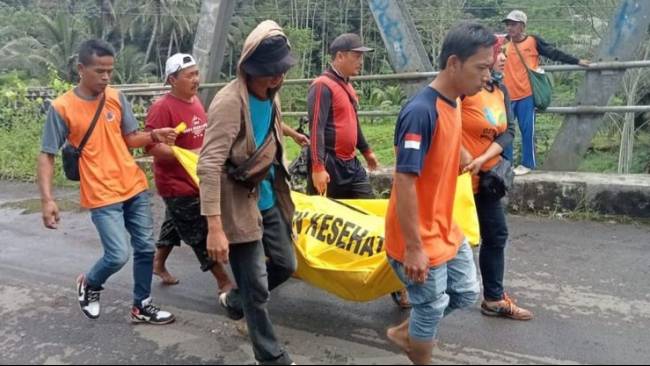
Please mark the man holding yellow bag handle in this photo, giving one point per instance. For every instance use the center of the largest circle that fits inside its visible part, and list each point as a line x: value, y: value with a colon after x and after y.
x: 182, y: 110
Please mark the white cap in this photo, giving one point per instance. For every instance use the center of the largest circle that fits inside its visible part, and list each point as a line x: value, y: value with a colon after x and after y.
x: 178, y: 62
x: 517, y: 16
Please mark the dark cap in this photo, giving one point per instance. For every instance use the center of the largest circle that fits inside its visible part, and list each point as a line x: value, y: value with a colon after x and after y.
x: 272, y: 57
x: 348, y: 42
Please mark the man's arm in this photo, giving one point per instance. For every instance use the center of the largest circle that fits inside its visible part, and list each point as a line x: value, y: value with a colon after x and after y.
x: 55, y: 133
x: 50, y: 210
x: 136, y: 139
x: 297, y: 137
x: 223, y: 128
x: 319, y: 102
x: 546, y: 50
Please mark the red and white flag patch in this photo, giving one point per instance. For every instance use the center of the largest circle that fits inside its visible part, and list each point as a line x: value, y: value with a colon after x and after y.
x: 412, y: 141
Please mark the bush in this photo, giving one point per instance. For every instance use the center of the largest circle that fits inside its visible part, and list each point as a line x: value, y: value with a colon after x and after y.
x: 21, y: 125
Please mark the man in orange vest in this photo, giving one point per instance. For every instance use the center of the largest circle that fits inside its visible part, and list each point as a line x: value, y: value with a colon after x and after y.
x: 518, y: 84
x: 334, y: 125
x: 113, y: 188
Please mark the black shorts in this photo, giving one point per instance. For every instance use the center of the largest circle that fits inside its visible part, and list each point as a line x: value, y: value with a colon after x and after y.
x: 183, y: 221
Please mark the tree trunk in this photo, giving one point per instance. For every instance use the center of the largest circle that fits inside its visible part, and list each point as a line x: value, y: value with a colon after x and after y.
x: 147, y: 55
x: 323, y: 38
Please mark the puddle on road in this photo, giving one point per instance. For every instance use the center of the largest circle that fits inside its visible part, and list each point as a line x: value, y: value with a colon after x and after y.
x: 33, y: 206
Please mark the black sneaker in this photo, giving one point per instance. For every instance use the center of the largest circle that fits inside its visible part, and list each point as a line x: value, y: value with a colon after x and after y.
x: 150, y: 314
x: 88, y: 298
x: 232, y: 312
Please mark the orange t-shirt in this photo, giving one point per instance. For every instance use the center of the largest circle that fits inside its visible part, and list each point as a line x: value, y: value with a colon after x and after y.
x: 484, y: 118
x: 515, y: 75
x: 109, y: 173
x: 427, y: 143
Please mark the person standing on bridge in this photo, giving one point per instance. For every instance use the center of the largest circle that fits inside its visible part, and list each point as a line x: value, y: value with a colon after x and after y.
x: 425, y: 247
x: 335, y: 131
x: 183, y: 218
x: 518, y: 83
x: 244, y: 186
x: 113, y: 187
x: 488, y: 129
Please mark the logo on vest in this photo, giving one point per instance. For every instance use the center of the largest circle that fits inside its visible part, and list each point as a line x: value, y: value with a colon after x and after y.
x: 110, y: 116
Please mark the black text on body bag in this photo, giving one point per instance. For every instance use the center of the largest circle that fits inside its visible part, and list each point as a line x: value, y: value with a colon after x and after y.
x: 71, y: 155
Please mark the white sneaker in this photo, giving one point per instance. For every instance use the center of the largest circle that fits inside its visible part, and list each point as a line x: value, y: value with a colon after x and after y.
x: 522, y: 170
x: 88, y: 298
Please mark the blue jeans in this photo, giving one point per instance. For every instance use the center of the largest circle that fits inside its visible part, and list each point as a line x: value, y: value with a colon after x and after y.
x: 114, y: 224
x: 494, y: 236
x: 524, y: 110
x: 450, y: 286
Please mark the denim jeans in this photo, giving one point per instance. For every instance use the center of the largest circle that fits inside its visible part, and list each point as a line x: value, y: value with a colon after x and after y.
x: 114, y: 224
x: 256, y: 277
x: 494, y: 236
x: 450, y: 286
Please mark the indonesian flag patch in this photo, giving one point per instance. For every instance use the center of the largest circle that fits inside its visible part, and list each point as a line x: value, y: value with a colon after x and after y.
x: 412, y: 141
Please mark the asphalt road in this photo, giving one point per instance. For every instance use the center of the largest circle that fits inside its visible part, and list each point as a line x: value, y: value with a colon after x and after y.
x: 588, y: 284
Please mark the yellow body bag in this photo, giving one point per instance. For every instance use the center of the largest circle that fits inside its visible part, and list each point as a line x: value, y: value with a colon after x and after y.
x: 340, y: 244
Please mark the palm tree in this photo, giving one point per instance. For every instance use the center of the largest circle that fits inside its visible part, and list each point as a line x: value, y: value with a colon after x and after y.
x: 130, y: 66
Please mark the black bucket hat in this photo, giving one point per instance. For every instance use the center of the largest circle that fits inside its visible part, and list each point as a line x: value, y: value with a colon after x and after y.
x: 272, y: 57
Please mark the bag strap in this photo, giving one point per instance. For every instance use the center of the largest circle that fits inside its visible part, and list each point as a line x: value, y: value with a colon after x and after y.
x: 93, y: 123
x: 344, y: 86
x: 268, y: 139
x: 520, y: 56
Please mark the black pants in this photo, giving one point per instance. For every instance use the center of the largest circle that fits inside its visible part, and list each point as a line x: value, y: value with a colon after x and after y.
x: 256, y: 277
x: 494, y: 236
x: 348, y: 180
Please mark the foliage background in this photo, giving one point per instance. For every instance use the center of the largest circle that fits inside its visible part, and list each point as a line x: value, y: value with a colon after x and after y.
x: 39, y: 38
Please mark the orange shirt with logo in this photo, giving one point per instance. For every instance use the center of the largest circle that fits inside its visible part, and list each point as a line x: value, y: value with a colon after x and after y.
x: 109, y: 173
x: 427, y: 143
x: 515, y: 74
x: 484, y: 118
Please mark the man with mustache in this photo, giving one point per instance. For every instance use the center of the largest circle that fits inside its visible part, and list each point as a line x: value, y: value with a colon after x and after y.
x: 334, y: 125
x: 183, y: 220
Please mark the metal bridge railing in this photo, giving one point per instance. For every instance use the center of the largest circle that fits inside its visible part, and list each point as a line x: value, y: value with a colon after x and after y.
x: 153, y: 89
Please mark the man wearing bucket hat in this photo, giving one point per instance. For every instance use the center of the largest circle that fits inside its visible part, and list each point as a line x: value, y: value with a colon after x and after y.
x: 183, y: 220
x: 335, y: 130
x: 517, y: 81
x: 244, y: 186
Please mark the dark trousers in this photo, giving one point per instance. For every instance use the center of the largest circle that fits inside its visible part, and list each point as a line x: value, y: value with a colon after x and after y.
x: 494, y: 236
x: 348, y: 180
x: 256, y: 277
